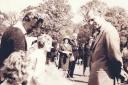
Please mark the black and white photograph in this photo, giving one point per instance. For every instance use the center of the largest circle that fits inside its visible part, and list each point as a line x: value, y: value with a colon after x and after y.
x: 63, y: 42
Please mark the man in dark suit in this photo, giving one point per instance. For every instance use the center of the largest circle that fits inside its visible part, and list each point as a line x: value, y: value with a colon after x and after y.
x: 75, y: 55
x: 13, y: 38
x: 106, y: 60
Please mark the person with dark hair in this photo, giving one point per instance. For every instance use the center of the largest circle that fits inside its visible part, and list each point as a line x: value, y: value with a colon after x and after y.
x: 35, y: 21
x: 124, y: 50
x: 124, y: 41
x: 27, y: 68
x: 14, y: 39
x: 75, y: 55
x: 65, y: 54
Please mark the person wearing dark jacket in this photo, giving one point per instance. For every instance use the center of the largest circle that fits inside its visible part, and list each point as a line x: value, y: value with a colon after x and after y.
x: 75, y: 54
x: 106, y: 59
x: 13, y: 38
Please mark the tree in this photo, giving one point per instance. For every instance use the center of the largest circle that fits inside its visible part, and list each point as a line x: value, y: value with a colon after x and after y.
x: 3, y: 17
x: 96, y: 6
x: 56, y: 14
x: 118, y: 17
x: 3, y: 27
x: 84, y: 34
x: 12, y: 18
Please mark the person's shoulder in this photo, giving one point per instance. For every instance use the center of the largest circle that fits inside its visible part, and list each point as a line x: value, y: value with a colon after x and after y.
x: 110, y: 29
x: 13, y: 30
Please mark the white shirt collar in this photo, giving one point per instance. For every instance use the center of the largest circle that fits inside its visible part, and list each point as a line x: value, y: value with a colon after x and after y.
x: 20, y: 26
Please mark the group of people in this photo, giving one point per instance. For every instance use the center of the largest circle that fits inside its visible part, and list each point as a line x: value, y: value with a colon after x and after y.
x: 104, y: 55
x: 17, y: 61
x: 23, y: 63
x: 68, y: 53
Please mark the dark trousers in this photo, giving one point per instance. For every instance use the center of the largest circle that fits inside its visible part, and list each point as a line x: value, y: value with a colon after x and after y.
x: 85, y: 64
x: 71, y: 68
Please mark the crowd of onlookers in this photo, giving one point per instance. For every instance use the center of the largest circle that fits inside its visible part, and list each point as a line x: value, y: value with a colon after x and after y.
x: 70, y: 48
x: 23, y: 65
x: 69, y: 53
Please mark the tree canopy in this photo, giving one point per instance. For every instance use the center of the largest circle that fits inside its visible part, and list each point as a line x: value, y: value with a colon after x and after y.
x: 116, y: 15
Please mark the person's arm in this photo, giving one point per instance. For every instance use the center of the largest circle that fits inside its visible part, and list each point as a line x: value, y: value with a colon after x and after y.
x: 113, y: 52
x: 113, y: 46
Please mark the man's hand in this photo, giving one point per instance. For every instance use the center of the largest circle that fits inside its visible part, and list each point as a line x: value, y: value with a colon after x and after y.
x: 124, y: 75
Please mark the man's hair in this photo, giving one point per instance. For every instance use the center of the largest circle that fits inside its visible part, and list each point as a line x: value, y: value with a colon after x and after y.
x: 26, y: 17
x: 32, y: 21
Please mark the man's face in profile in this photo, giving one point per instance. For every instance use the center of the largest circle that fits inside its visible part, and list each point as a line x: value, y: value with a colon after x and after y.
x: 31, y: 22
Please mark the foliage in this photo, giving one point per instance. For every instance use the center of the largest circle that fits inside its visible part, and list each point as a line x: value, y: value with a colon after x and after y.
x: 3, y: 17
x: 94, y: 5
x: 12, y: 18
x: 119, y: 18
x: 56, y: 14
x: 116, y: 15
x: 84, y: 34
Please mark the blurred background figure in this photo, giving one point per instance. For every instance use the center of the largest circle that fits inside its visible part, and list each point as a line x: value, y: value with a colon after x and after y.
x: 75, y: 52
x: 66, y: 53
x: 124, y: 50
x: 38, y: 59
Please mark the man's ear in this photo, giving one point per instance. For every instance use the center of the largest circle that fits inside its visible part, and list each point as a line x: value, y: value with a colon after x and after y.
x: 26, y: 18
x: 40, y: 20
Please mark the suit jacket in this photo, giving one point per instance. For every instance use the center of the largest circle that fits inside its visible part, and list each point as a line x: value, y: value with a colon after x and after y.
x: 75, y: 49
x: 106, y: 56
x: 65, y: 57
x: 12, y: 40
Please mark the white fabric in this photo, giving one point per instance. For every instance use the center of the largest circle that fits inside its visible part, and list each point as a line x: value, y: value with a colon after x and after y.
x: 37, y: 66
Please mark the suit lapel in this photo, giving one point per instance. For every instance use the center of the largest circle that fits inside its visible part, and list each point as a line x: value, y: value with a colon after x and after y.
x: 97, y: 39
